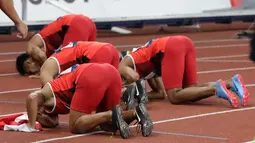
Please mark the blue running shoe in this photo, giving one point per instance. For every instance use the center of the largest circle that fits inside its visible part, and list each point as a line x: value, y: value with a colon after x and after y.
x: 223, y: 92
x: 240, y: 89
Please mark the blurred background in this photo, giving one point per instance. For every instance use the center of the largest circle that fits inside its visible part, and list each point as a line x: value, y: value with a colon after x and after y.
x: 220, y: 30
x: 129, y: 17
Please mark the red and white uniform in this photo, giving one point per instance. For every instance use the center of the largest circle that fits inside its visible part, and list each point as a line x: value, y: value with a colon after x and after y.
x: 86, y: 52
x: 66, y: 29
x: 172, y: 57
x: 86, y: 89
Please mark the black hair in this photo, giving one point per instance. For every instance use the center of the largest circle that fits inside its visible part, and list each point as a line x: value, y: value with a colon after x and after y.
x: 20, y: 63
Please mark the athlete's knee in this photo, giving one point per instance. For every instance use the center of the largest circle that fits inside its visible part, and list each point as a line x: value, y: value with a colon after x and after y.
x: 172, y: 95
x: 160, y: 92
x: 75, y: 122
x: 75, y: 128
x: 72, y: 128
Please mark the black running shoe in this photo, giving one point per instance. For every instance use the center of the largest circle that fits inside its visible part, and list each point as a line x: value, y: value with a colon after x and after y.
x: 118, y: 122
x: 144, y: 119
x: 129, y: 97
x: 142, y: 96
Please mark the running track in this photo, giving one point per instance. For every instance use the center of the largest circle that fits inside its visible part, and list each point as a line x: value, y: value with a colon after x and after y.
x: 210, y: 120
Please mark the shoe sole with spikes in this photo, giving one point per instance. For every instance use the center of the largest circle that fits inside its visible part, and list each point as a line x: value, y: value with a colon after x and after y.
x: 118, y: 122
x: 222, y: 92
x: 144, y: 119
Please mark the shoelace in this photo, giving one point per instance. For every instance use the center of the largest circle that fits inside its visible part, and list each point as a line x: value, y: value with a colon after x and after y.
x: 138, y: 127
x: 113, y: 134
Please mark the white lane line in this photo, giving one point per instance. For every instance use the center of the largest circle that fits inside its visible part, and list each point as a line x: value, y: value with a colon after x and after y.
x: 203, y: 115
x: 10, y: 60
x: 223, y: 46
x: 220, y: 57
x: 9, y: 74
x: 196, y: 42
x: 157, y: 122
x: 189, y: 135
x: 11, y: 53
x: 137, y: 45
x: 221, y: 40
x: 3, y: 115
x: 226, y: 61
x: 250, y: 141
x: 19, y: 90
x: 226, y: 70
x: 250, y: 85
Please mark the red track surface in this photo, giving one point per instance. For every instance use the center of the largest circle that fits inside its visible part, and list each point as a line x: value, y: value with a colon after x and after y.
x: 232, y: 126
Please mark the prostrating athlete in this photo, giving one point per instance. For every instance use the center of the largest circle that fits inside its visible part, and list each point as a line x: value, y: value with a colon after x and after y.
x: 66, y: 29
x: 89, y: 87
x: 174, y: 59
x: 74, y: 53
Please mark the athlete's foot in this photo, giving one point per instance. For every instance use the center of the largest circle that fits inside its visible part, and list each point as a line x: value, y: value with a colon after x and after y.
x: 144, y: 119
x: 224, y: 93
x: 129, y: 97
x: 240, y: 89
x: 118, y: 122
x: 142, y: 95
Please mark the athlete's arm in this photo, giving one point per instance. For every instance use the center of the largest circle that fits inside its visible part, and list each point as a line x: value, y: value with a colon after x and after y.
x: 8, y: 8
x: 157, y: 86
x: 35, y: 49
x: 49, y: 71
x: 127, y: 72
x: 34, y: 101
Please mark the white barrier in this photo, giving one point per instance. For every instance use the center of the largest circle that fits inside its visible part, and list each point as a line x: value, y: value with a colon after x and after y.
x: 116, y: 8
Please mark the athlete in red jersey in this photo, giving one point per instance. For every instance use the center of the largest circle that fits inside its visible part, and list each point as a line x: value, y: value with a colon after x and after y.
x: 66, y: 29
x: 80, y: 92
x: 78, y: 53
x: 174, y: 59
